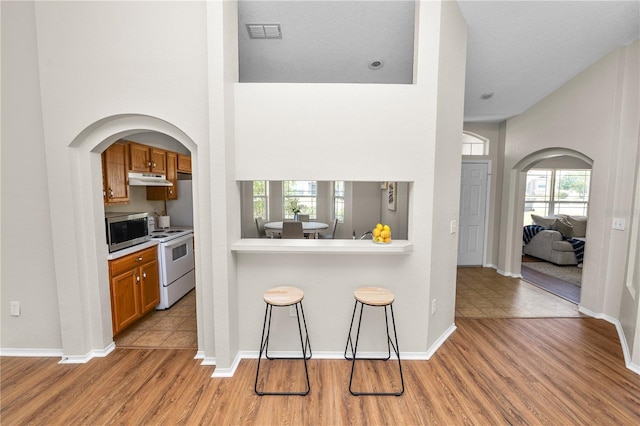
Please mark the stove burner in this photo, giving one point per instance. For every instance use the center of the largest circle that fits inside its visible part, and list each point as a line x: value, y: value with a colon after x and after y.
x: 159, y: 236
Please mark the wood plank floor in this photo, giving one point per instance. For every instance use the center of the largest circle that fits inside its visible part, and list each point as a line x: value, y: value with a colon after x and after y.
x: 554, y: 371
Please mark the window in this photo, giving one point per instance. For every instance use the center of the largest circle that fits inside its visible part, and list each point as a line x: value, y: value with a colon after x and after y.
x: 474, y: 144
x: 300, y: 195
x: 338, y: 200
x: 260, y: 199
x: 556, y: 191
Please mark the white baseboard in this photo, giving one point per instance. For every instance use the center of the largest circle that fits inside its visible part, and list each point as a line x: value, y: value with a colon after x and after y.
x: 58, y: 353
x: 440, y: 341
x: 623, y: 341
x: 82, y: 359
x: 28, y: 352
x: 228, y: 372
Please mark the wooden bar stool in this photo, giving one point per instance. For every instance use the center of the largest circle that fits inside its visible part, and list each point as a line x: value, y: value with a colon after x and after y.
x: 282, y: 297
x: 373, y: 296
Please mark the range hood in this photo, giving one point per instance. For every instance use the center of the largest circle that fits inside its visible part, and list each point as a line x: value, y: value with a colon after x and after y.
x: 148, y: 179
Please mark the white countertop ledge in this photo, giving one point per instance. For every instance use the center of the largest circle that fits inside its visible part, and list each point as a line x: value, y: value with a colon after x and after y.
x: 124, y: 252
x: 268, y: 245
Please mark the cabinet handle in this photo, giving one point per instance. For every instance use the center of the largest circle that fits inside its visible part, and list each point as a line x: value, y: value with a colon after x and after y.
x: 148, y: 163
x: 139, y: 259
x: 154, y: 164
x: 144, y: 274
x: 137, y: 278
x: 110, y: 193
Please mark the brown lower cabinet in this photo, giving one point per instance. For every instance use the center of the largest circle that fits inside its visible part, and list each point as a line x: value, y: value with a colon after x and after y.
x: 134, y: 281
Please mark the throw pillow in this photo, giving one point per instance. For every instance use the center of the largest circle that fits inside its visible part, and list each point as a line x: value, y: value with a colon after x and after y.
x: 543, y: 221
x: 563, y: 227
x: 579, y: 224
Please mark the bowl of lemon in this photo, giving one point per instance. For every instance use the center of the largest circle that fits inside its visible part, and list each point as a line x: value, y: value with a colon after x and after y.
x: 381, y: 234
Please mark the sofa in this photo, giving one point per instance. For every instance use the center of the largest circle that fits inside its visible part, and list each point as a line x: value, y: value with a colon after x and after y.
x: 558, y: 239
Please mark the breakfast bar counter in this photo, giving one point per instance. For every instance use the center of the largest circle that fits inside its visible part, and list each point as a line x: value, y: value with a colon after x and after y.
x: 292, y: 246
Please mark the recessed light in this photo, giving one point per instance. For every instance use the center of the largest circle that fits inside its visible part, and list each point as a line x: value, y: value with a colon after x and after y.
x: 486, y: 96
x: 376, y: 64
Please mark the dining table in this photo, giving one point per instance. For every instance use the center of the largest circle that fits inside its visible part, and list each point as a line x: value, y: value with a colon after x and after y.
x: 307, y: 227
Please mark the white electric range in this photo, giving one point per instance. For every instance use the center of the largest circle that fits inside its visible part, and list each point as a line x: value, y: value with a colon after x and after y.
x: 176, y: 263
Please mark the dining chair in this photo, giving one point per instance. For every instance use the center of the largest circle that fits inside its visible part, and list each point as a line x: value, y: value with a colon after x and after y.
x: 303, y: 217
x: 292, y: 230
x: 262, y: 233
x: 330, y: 235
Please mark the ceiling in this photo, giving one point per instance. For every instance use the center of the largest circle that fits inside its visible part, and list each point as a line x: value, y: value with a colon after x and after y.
x: 519, y: 51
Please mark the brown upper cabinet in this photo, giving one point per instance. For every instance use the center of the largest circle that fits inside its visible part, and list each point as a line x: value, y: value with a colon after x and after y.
x: 115, y: 170
x: 184, y: 163
x: 167, y: 192
x: 144, y: 158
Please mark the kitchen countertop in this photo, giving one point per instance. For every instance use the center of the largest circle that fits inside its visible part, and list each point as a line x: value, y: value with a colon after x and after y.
x: 124, y: 252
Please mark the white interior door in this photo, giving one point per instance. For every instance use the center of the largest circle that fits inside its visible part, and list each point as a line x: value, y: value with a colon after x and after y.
x: 473, y: 206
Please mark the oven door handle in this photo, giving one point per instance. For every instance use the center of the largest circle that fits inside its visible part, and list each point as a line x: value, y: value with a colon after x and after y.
x: 178, y: 241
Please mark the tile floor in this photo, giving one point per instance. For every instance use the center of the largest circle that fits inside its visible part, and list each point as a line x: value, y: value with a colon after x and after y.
x: 483, y: 293
x: 172, y: 328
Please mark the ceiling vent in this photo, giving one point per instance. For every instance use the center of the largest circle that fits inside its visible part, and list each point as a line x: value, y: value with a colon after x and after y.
x: 264, y: 30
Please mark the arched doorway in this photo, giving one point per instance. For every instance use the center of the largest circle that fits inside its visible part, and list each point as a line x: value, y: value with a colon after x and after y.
x: 88, y: 299
x: 552, y: 276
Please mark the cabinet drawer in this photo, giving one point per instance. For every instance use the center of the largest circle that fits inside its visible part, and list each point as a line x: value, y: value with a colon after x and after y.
x: 134, y: 260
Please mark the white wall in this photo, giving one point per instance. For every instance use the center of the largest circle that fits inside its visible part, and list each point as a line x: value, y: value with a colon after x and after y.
x: 171, y: 67
x: 446, y: 169
x: 82, y: 62
x: 596, y: 113
x: 28, y: 272
x: 355, y: 125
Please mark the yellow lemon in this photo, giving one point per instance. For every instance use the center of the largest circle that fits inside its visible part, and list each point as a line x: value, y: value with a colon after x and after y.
x: 385, y: 234
x: 376, y: 232
x: 379, y: 226
x: 387, y: 240
x: 386, y: 228
x: 379, y: 239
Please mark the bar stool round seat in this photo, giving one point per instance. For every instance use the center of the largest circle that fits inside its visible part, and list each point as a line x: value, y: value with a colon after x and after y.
x: 374, y: 297
x: 283, y: 296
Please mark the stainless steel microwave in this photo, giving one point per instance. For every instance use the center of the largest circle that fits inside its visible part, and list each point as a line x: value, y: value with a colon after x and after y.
x: 126, y: 230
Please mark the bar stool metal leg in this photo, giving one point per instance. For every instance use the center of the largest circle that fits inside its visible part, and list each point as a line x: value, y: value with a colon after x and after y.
x: 390, y: 343
x: 264, y: 348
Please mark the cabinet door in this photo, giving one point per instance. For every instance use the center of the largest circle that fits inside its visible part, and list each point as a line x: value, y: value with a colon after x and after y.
x: 139, y: 157
x: 184, y: 164
x: 115, y: 169
x: 172, y: 175
x: 125, y: 299
x: 166, y: 192
x: 158, y: 160
x: 149, y: 286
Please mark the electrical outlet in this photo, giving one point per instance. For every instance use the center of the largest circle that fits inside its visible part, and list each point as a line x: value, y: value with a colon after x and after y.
x: 453, y: 227
x: 292, y: 311
x: 434, y: 306
x: 14, y: 309
x: 618, y: 223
